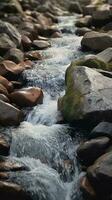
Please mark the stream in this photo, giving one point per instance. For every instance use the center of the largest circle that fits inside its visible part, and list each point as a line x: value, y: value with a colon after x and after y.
x: 41, y: 142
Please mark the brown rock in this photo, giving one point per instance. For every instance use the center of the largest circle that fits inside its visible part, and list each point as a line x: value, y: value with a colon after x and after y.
x: 3, y: 90
x: 11, y: 191
x: 8, y: 67
x: 87, y: 188
x: 5, y: 43
x: 26, y: 42
x: 40, y: 44
x: 27, y: 97
x: 6, y: 84
x: 4, y: 146
x: 33, y: 55
x: 4, y: 98
x: 9, y: 115
x: 56, y: 35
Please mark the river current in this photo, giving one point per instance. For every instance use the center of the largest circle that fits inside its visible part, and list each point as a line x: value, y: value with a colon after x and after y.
x: 41, y: 142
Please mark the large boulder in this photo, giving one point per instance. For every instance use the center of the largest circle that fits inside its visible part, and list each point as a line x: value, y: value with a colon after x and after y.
x: 9, y: 115
x: 11, y: 31
x: 96, y: 41
x: 102, y: 15
x: 88, y: 96
x: 90, y: 150
x: 27, y: 97
x: 100, y: 175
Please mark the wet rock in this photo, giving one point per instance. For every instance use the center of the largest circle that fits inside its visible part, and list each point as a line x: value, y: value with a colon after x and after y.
x: 102, y: 129
x: 26, y: 42
x: 75, y: 7
x: 14, y: 54
x: 33, y: 55
x: 82, y: 31
x: 8, y: 85
x: 8, y: 165
x: 10, y: 68
x: 40, y: 44
x: 27, y: 64
x: 84, y: 21
x: 4, y: 146
x: 16, y: 84
x: 27, y: 97
x: 100, y: 175
x: 86, y: 188
x: 3, y: 90
x: 105, y: 55
x: 29, y: 27
x: 107, y: 27
x: 12, y: 191
x: 102, y: 15
x: 56, y: 35
x: 9, y: 115
x: 5, y: 43
x: 87, y: 97
x: 90, y: 150
x: 11, y: 31
x: 96, y: 41
x: 89, y: 9
x: 4, y: 98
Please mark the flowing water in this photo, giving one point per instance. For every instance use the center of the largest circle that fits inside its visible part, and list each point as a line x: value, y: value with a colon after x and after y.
x: 40, y: 142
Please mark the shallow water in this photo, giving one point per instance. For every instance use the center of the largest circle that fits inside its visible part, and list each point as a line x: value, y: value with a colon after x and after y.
x: 42, y: 144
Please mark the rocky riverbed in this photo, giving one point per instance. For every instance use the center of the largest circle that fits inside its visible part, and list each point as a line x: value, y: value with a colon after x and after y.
x: 55, y: 100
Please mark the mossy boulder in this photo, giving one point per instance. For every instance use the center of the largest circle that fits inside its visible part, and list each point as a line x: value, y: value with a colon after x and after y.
x: 88, y: 95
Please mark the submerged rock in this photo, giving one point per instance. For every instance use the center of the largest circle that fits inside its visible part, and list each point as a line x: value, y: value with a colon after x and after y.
x: 9, y: 115
x: 27, y: 97
x: 96, y: 41
x: 90, y: 150
x: 88, y: 96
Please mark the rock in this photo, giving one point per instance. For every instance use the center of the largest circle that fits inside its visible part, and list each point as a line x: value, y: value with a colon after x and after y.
x: 33, y: 55
x: 40, y: 44
x: 14, y: 54
x: 90, y: 150
x: 26, y: 42
x: 102, y: 15
x: 4, y: 98
x: 102, y: 129
x: 89, y: 9
x: 88, y: 96
x: 11, y: 31
x: 27, y: 64
x: 27, y: 97
x: 8, y: 85
x: 12, y: 191
x: 82, y: 31
x: 8, y: 165
x: 56, y: 35
x: 5, y: 43
x: 84, y: 21
x: 106, y: 55
x: 100, y: 175
x: 3, y: 90
x: 4, y: 146
x: 96, y: 41
x: 75, y: 7
x: 8, y: 68
x: 107, y: 27
x: 17, y: 84
x: 87, y: 188
x: 9, y: 115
